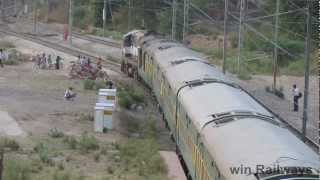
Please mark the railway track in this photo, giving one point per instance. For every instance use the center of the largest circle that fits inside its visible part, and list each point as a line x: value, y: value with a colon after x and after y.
x: 97, y: 40
x: 115, y: 66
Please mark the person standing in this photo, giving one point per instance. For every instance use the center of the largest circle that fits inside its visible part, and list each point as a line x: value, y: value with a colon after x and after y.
x: 49, y: 61
x: 58, y: 62
x: 1, y: 58
x: 296, y: 96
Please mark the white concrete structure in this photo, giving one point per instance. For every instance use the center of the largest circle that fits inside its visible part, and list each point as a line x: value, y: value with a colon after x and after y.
x: 107, y: 96
x: 103, y: 117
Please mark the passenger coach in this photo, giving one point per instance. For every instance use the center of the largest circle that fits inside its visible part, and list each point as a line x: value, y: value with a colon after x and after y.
x: 221, y: 132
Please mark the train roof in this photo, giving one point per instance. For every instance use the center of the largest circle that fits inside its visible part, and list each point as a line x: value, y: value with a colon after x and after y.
x: 235, y: 128
x: 250, y: 142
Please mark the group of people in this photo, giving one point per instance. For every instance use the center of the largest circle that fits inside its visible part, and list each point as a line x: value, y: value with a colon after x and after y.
x: 44, y: 61
x: 84, y: 61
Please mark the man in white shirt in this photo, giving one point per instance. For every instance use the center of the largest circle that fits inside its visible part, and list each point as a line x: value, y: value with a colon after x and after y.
x: 296, y: 96
x: 2, y: 57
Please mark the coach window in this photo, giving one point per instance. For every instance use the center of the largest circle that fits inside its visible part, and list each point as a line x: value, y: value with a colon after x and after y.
x: 188, y: 121
x: 144, y: 61
x: 140, y: 57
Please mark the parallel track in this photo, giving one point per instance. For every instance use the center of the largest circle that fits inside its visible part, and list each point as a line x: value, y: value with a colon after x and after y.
x: 97, y: 40
x: 115, y: 66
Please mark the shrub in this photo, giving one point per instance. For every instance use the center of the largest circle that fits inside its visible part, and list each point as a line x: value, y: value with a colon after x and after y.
x: 130, y: 95
x: 88, y: 84
x: 9, y: 143
x: 43, y: 152
x: 295, y: 68
x: 17, y: 169
x: 96, y: 157
x: 244, y: 76
x: 142, y: 155
x: 6, y: 45
x: 88, y: 142
x: 61, y: 176
x: 86, y: 117
x: 279, y: 93
x: 11, y: 62
x: 71, y: 141
x: 55, y: 133
x: 99, y: 85
x: 125, y: 100
x: 268, y: 89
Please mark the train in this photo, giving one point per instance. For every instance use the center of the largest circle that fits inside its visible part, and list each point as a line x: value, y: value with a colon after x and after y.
x: 220, y: 130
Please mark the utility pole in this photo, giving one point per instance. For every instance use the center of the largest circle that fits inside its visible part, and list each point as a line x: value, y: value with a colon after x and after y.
x: 174, y: 19
x: 185, y: 18
x: 110, y: 10
x: 1, y: 163
x: 242, y: 6
x: 70, y: 22
x: 129, y: 15
x: 275, y: 50
x: 307, y: 69
x: 35, y: 18
x: 104, y: 17
x: 225, y: 36
x: 15, y: 8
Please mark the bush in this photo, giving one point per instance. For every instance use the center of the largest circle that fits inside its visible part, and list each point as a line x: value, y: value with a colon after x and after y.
x: 143, y: 156
x: 88, y: 84
x: 55, y: 133
x: 6, y: 45
x: 71, y: 141
x: 61, y: 176
x: 268, y: 89
x: 279, y: 93
x: 9, y: 144
x: 99, y: 85
x: 86, y: 117
x: 295, y: 68
x: 17, y: 169
x: 88, y: 142
x: 11, y: 62
x: 125, y: 100
x: 14, y: 57
x: 244, y: 76
x: 43, y: 152
x: 128, y: 96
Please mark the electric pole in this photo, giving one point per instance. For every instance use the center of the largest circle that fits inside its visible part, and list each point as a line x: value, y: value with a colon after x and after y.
x: 225, y: 36
x: 174, y: 19
x: 129, y: 15
x: 307, y: 68
x: 15, y: 8
x: 104, y: 17
x: 1, y: 163
x: 275, y: 50
x: 110, y: 10
x: 185, y: 18
x: 35, y: 11
x: 242, y: 5
x: 70, y: 22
